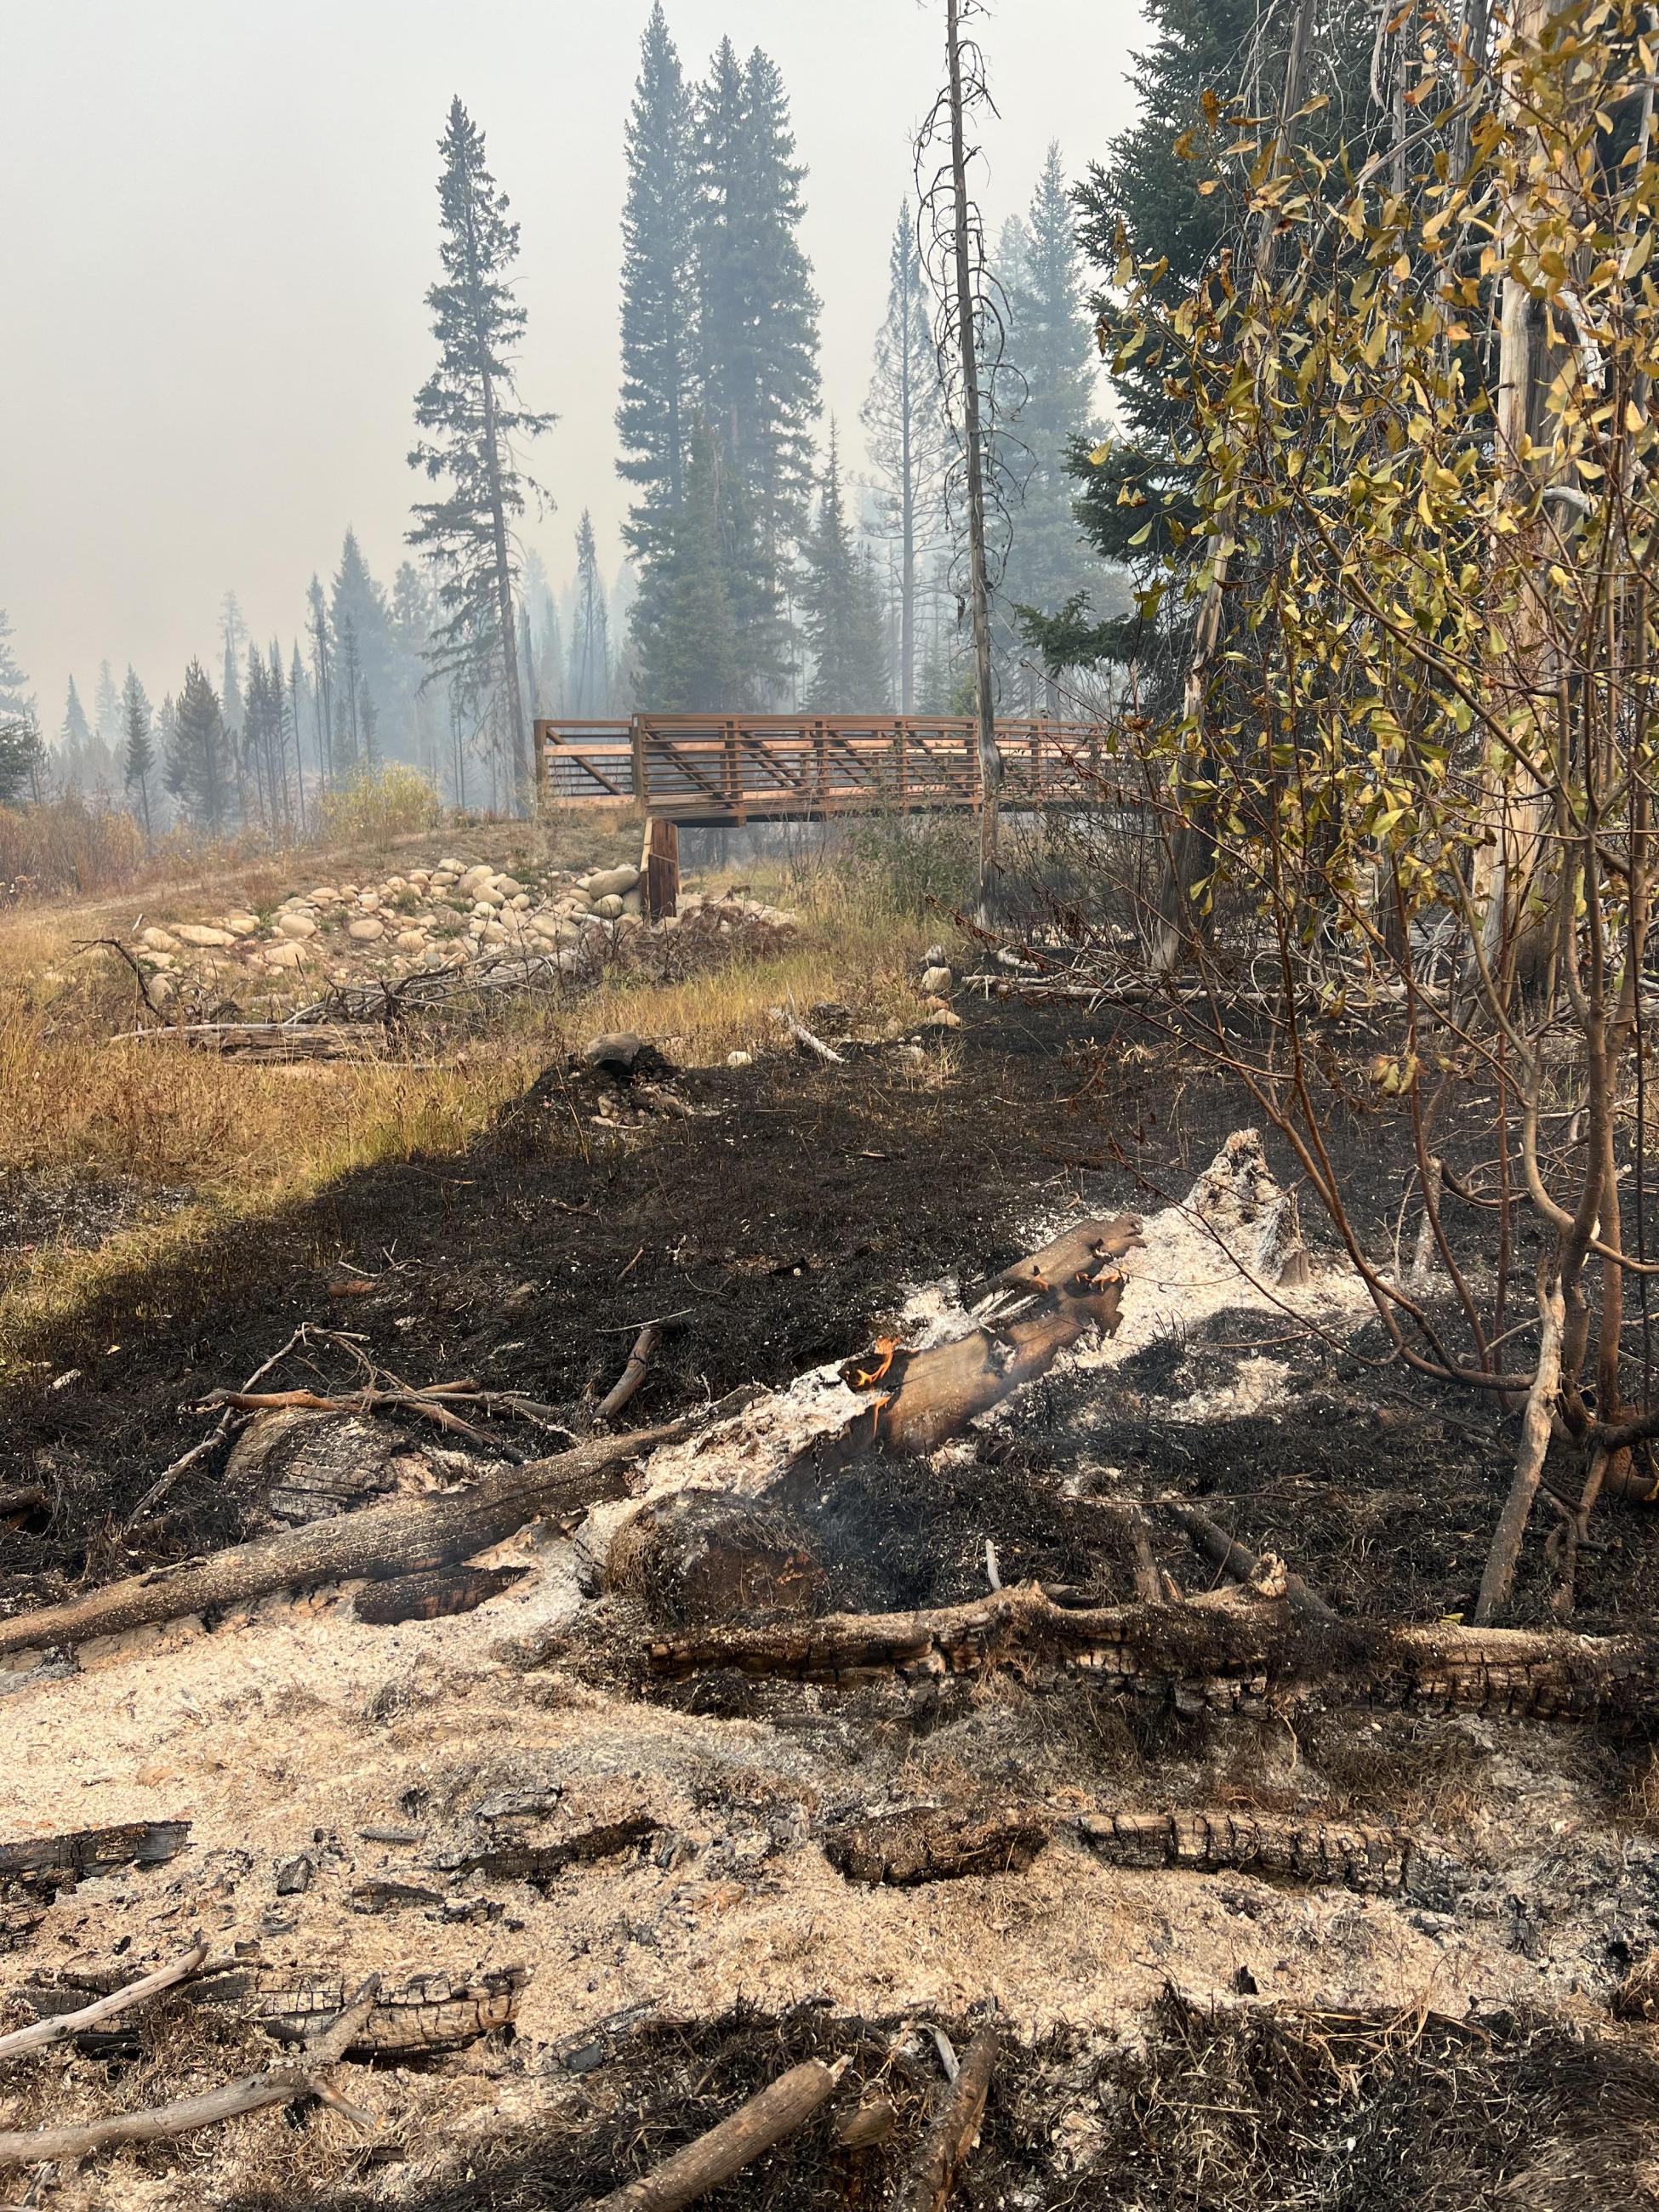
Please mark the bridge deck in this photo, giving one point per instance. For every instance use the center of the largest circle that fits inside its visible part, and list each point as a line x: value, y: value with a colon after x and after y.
x: 708, y: 769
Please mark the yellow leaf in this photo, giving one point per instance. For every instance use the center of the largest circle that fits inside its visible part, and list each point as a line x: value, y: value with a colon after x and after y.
x: 1100, y: 456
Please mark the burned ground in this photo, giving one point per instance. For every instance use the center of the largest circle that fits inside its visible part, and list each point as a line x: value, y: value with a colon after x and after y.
x: 776, y: 1227
x: 1331, y: 2049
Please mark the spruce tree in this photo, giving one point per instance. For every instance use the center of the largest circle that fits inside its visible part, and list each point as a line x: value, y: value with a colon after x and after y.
x: 21, y: 753
x: 589, y: 688
x: 471, y: 412
x: 138, y: 756
x: 904, y: 429
x: 75, y: 732
x: 757, y: 321
x: 357, y: 596
x: 348, y: 730
x: 690, y: 652
x: 659, y: 292
x: 840, y: 612
x: 233, y: 632
x: 107, y: 719
x: 296, y: 690
x: 1050, y: 340
x: 1156, y: 197
x: 197, y: 766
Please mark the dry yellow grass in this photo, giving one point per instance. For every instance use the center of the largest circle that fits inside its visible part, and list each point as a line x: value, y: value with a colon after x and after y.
x: 212, y: 1138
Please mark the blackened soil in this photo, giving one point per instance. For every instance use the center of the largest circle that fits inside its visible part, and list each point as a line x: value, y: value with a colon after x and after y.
x: 1234, y: 2111
x: 774, y: 1229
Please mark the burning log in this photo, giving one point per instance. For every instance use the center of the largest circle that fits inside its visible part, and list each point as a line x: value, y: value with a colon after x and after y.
x: 781, y: 2107
x: 1075, y: 1264
x: 710, y: 1556
x: 406, y: 1535
x: 926, y: 1397
x: 1226, y: 1652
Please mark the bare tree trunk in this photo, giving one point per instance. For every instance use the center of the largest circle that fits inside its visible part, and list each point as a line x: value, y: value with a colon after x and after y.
x: 990, y: 760
x: 1499, y: 1578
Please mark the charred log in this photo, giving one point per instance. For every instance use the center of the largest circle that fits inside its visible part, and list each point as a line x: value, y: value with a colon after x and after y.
x: 954, y: 2129
x: 1325, y: 1854
x: 434, y: 1595
x: 1229, y: 1652
x: 405, y: 1535
x: 47, y: 1863
x: 541, y: 1862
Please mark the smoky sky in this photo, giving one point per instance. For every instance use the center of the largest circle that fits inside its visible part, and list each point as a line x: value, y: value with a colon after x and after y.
x: 221, y: 220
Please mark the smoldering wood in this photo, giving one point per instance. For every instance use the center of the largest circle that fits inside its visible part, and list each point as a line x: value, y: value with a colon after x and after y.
x: 51, y: 1862
x: 920, y: 1400
x: 1226, y: 1652
x: 954, y: 2129
x: 779, y: 2109
x: 926, y: 1844
x: 1075, y: 1262
x: 433, y: 1596
x: 713, y: 1555
x: 406, y: 1535
x: 1236, y: 1561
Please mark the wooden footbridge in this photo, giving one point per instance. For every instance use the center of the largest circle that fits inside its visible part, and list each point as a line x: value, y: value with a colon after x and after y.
x: 707, y: 771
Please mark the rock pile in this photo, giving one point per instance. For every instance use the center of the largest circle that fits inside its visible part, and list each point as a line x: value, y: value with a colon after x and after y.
x: 447, y: 917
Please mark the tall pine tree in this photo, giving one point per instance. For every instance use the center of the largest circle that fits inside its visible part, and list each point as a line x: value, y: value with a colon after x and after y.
x: 198, y: 769
x: 904, y: 429
x: 470, y: 412
x: 1051, y: 343
x: 658, y: 293
x: 841, y: 614
x: 692, y: 659
x: 589, y: 688
x: 138, y: 751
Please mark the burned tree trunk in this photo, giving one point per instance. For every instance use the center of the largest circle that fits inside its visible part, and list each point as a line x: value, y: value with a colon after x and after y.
x: 407, y: 1535
x: 709, y: 1556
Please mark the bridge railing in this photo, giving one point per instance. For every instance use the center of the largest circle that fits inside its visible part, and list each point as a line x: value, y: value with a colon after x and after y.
x: 760, y: 768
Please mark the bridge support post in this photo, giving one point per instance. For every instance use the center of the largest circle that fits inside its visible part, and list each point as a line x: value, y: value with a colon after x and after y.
x: 659, y: 869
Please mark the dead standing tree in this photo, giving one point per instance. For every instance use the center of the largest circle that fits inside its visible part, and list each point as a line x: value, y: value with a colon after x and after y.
x: 968, y: 331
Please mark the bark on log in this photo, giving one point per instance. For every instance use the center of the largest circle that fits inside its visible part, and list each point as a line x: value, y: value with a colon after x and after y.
x: 954, y: 2130
x: 48, y: 1863
x: 406, y: 1535
x: 426, y: 2011
x: 1325, y: 1854
x: 1075, y: 1263
x: 781, y: 2107
x: 711, y: 1555
x: 1226, y: 1652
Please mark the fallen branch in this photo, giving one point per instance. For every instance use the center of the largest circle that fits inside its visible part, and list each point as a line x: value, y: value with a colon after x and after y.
x: 954, y: 2129
x: 781, y: 2107
x: 633, y: 1375
x: 227, y: 1426
x: 405, y: 1535
x: 283, y: 2085
x: 1224, y: 1652
x: 1148, y: 1582
x: 803, y: 1036
x: 40, y: 2033
x: 1238, y: 1564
